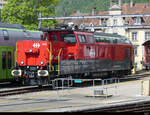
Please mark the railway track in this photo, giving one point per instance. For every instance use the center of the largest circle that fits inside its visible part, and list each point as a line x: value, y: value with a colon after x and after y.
x: 23, y: 90
x: 29, y: 89
x: 133, y: 107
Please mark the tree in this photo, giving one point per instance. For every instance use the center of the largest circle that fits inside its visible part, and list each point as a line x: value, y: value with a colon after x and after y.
x: 26, y: 12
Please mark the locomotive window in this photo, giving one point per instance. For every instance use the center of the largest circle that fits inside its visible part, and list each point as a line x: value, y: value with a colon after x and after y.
x: 127, y: 53
x: 27, y: 34
x: 70, y: 38
x: 91, y: 39
x: 148, y: 50
x: 45, y: 36
x: 82, y: 39
x: 53, y: 37
x: 3, y: 60
x: 9, y: 60
x: 5, y: 34
x: 115, y: 41
x: 107, y: 40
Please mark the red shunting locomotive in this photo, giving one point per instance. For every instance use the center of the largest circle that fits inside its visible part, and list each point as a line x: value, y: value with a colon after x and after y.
x: 76, y: 53
x: 32, y: 59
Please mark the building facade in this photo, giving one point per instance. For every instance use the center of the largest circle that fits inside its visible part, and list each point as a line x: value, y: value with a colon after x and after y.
x: 2, y: 3
x: 137, y: 29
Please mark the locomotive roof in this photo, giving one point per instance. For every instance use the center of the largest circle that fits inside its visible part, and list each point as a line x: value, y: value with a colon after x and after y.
x: 64, y: 29
x: 146, y: 43
x: 15, y: 26
x: 107, y: 34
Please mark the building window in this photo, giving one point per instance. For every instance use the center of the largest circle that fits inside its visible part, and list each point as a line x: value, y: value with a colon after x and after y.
x: 137, y: 20
x: 115, y: 22
x: 134, y: 36
x: 147, y: 35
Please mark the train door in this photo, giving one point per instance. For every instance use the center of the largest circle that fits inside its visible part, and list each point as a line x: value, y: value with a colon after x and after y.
x: 6, y: 62
x: 82, y: 46
x: 91, y: 46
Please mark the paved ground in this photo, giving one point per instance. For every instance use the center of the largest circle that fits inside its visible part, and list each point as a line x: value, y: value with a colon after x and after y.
x: 73, y: 99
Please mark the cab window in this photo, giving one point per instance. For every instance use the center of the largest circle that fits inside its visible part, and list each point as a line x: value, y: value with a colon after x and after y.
x: 82, y: 39
x: 44, y: 36
x: 54, y: 37
x: 91, y: 39
x: 70, y: 38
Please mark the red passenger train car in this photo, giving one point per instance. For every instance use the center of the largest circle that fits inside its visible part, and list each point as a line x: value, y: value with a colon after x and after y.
x: 75, y: 53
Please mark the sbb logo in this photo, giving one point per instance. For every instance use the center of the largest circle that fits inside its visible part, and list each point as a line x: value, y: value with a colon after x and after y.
x: 36, y: 45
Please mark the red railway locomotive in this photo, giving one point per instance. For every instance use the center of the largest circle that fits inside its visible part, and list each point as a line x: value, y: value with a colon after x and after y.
x: 73, y: 53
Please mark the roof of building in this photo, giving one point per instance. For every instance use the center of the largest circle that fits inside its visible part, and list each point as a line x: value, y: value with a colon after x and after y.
x: 139, y: 8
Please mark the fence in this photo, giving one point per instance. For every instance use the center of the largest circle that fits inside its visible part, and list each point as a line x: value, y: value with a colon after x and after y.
x: 101, y: 88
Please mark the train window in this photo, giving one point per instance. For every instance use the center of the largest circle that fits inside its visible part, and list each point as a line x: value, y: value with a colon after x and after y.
x: 3, y: 60
x: 5, y: 34
x: 102, y: 40
x: 115, y: 41
x: 41, y: 36
x: 82, y: 39
x: 91, y: 39
x: 9, y: 60
x: 54, y: 37
x: 107, y: 40
x: 148, y: 50
x: 127, y: 53
x: 70, y: 38
x: 44, y: 36
x: 97, y: 39
x: 127, y: 41
x: 111, y: 40
x: 27, y: 34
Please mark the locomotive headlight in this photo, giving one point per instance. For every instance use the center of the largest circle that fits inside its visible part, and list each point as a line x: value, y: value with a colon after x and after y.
x: 30, y: 50
x: 42, y: 62
x: 22, y: 62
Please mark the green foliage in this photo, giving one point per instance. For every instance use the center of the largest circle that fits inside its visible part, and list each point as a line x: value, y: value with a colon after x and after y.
x: 67, y: 7
x: 26, y: 12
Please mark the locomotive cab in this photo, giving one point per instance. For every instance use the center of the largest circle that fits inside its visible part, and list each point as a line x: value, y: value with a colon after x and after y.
x: 69, y: 47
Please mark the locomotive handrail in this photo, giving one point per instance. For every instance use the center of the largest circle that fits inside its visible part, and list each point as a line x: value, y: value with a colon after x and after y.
x: 59, y: 61
x: 50, y: 57
x: 16, y: 55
